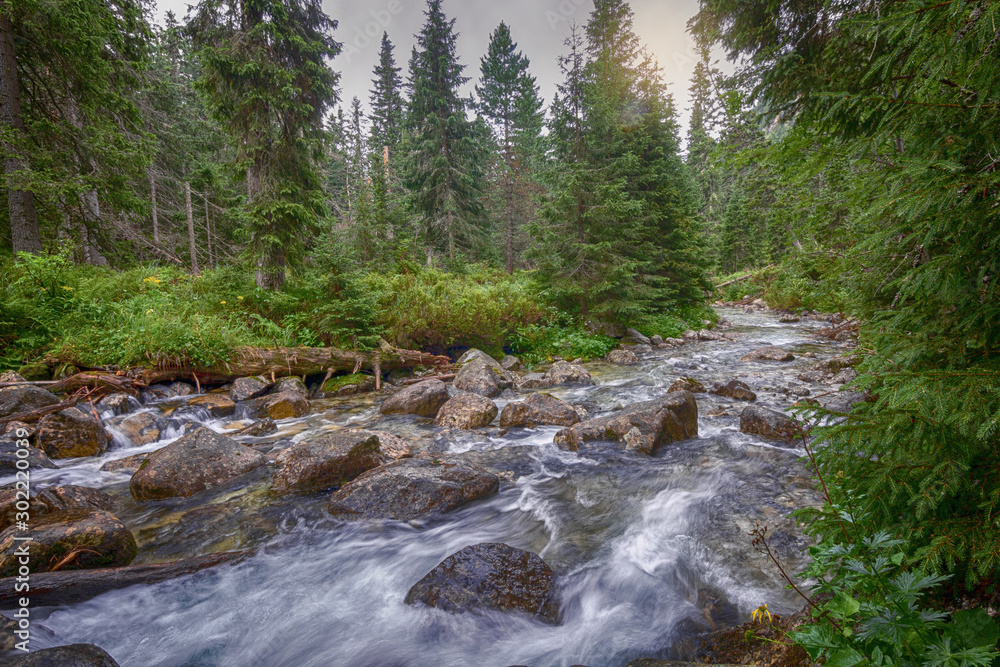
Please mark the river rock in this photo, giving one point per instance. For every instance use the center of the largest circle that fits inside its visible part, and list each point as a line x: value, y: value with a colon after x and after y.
x: 179, y: 389
x: 258, y: 429
x: 70, y: 433
x: 768, y: 423
x: 633, y: 337
x: 292, y: 384
x: 247, y: 389
x: 533, y: 381
x: 216, y: 404
x: 140, y: 428
x: 393, y: 447
x: 845, y: 376
x: 71, y: 497
x: 769, y: 353
x: 16, y: 430
x: 836, y: 364
x: 490, y: 576
x: 843, y: 401
x: 472, y: 355
x: 643, y: 427
x: 734, y: 389
x: 622, y: 358
x: 413, y: 488
x: 80, y: 539
x: 424, y: 399
x: 36, y: 458
x: 326, y: 461
x: 73, y: 655
x: 484, y: 377
x: 563, y: 372
x: 814, y: 377
x: 197, y: 461
x: 687, y: 384
x: 284, y: 405
x: 9, y: 498
x: 117, y: 404
x: 538, y: 409
x: 127, y: 464
x: 467, y: 411
x: 15, y: 400
x: 11, y: 376
x: 512, y: 364
x: 789, y: 319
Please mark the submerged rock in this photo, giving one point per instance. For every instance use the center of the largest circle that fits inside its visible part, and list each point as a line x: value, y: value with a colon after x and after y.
x: 327, y: 461
x: 643, y: 427
x: 467, y: 411
x: 424, y: 399
x: 258, y: 429
x: 538, y: 409
x: 197, y: 461
x: 70, y: 433
x: 413, y: 488
x: 284, y: 405
x: 74, y: 655
x: 768, y: 423
x: 563, y: 372
x: 76, y: 539
x: 769, y: 353
x: 734, y: 389
x: 490, y: 576
x: 622, y: 358
x: 216, y: 404
x: 140, y: 429
x: 15, y: 400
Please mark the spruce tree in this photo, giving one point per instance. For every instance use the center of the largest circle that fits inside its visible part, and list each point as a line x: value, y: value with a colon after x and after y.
x: 266, y: 77
x: 386, y: 102
x: 508, y: 100
x: 440, y: 172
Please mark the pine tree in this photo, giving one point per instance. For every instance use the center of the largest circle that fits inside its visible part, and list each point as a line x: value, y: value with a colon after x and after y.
x: 440, y: 173
x: 508, y: 100
x: 266, y: 77
x: 387, y: 102
x: 705, y: 109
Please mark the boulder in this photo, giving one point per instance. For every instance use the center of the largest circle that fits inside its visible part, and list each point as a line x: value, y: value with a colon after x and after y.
x: 197, y: 461
x: 633, y: 337
x: 536, y: 410
x: 512, y: 364
x: 70, y: 433
x: 73, y: 655
x: 140, y: 428
x: 843, y: 401
x: 117, y: 404
x: 687, y: 384
x: 16, y: 430
x: 674, y: 342
x: 467, y: 411
x: 490, y: 576
x: 769, y: 353
x: 643, y: 427
x: 9, y: 499
x: 563, y: 372
x: 127, y: 464
x: 71, y: 497
x: 284, y: 405
x: 472, y: 355
x: 247, y: 389
x: 15, y: 400
x: 326, y: 461
x: 789, y: 319
x: 533, y: 381
x: 734, y: 389
x: 768, y: 423
x: 291, y: 384
x: 484, y: 377
x: 656, y: 341
x: 11, y: 376
x: 413, y: 488
x: 836, y: 364
x: 814, y: 377
x: 424, y: 399
x: 845, y: 376
x: 393, y: 447
x: 216, y: 404
x: 77, y: 539
x: 622, y: 358
x: 36, y: 458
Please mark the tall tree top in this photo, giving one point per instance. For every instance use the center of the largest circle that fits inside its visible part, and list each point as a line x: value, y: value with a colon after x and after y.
x: 508, y: 94
x: 435, y: 73
x: 386, y: 99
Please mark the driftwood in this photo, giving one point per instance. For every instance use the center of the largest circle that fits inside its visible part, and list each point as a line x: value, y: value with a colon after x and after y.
x: 73, y: 586
x: 443, y: 378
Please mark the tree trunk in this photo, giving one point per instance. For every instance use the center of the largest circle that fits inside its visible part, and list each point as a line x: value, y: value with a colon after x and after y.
x: 156, y: 221
x: 192, y: 248
x: 24, y: 231
x: 208, y: 229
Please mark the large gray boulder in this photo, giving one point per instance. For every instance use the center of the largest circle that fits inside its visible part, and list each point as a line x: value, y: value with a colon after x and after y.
x: 326, y: 461
x: 413, y: 488
x: 70, y: 433
x: 472, y: 355
x: 643, y: 427
x: 536, y: 410
x: 424, y: 399
x: 490, y: 576
x: 199, y: 460
x: 467, y: 411
x: 484, y: 377
x: 563, y: 372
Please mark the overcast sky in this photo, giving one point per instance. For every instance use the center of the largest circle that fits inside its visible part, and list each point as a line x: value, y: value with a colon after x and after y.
x: 538, y: 26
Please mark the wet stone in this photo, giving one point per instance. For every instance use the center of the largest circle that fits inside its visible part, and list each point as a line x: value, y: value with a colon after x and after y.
x: 424, y: 399
x: 15, y: 400
x: 563, y: 372
x: 538, y: 409
x: 74, y: 655
x: 643, y: 427
x: 285, y: 405
x: 69, y: 497
x: 769, y: 353
x: 326, y: 461
x: 71, y: 433
x: 216, y: 404
x: 467, y: 411
x: 768, y: 423
x: 36, y: 458
x: 246, y: 389
x: 76, y: 539
x: 734, y: 389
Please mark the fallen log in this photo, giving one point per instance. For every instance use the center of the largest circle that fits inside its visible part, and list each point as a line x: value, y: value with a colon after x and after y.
x: 443, y: 378
x: 742, y: 278
x: 73, y: 586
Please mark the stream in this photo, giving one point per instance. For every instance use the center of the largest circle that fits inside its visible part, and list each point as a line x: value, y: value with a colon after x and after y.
x: 649, y: 551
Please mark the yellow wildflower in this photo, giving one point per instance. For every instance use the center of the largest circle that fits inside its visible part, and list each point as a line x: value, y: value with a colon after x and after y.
x: 760, y: 613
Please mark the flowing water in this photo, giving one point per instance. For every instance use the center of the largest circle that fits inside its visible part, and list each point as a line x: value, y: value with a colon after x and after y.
x: 649, y: 551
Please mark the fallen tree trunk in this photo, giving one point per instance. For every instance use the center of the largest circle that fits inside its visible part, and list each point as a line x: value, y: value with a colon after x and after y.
x: 742, y: 278
x: 73, y: 586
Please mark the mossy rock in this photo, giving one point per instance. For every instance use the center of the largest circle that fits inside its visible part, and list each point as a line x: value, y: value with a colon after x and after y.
x: 360, y: 380
x: 35, y: 372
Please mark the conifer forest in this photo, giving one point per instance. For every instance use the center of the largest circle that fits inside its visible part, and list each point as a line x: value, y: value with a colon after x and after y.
x: 654, y: 333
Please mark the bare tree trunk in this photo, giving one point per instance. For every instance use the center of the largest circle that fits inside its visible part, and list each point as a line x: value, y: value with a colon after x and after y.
x: 24, y: 231
x: 208, y: 229
x: 510, y: 222
x: 156, y: 220
x: 190, y: 217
